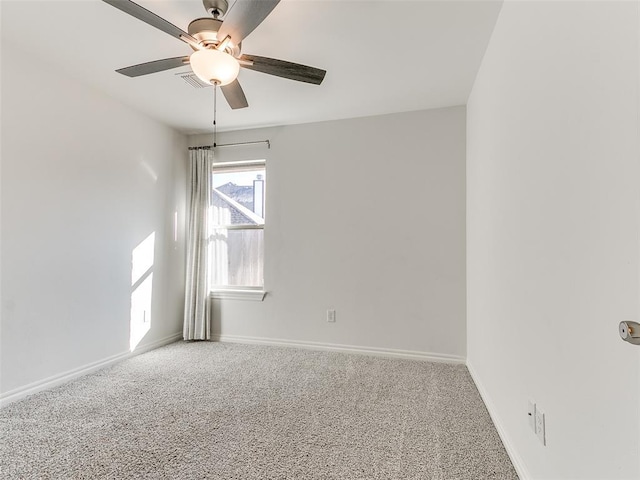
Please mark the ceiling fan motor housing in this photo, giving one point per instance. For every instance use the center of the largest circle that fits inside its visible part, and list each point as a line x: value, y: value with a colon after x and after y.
x: 205, y: 30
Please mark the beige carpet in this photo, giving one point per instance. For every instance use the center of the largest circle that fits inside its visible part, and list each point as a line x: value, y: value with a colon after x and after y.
x: 222, y: 411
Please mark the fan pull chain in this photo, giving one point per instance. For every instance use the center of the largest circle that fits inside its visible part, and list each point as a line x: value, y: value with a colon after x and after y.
x: 215, y: 107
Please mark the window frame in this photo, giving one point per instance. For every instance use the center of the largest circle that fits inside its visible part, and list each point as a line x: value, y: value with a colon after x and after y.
x: 239, y: 292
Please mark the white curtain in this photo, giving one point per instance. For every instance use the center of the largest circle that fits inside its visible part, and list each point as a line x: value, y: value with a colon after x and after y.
x: 197, y: 312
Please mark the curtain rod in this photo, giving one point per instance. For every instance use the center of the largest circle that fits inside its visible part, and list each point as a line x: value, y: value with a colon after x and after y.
x: 240, y: 144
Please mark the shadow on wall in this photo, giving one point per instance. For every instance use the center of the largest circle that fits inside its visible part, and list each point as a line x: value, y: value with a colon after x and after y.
x: 141, y: 290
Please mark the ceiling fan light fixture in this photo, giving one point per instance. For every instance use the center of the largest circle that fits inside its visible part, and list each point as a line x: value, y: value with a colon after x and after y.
x: 214, y: 67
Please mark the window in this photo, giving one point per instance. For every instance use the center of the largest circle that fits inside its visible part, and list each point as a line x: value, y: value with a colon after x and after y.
x: 236, y: 246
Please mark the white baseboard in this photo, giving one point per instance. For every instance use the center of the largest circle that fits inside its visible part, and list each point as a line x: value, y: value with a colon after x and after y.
x: 55, y: 380
x: 380, y: 352
x: 516, y: 460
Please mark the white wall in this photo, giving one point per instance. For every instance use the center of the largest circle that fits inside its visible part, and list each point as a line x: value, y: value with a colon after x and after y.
x: 84, y: 181
x: 553, y: 222
x: 367, y: 216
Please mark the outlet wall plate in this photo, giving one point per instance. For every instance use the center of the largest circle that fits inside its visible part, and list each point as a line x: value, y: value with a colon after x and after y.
x: 331, y: 315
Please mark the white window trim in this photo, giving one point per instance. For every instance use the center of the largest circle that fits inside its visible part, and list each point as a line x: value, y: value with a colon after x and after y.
x: 241, y: 293
x: 255, y: 294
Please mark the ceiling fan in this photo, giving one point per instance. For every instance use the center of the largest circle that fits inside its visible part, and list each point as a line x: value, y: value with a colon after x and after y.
x: 217, y: 46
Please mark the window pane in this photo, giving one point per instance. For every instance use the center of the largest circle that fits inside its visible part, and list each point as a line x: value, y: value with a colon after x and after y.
x: 236, y: 257
x: 238, y: 197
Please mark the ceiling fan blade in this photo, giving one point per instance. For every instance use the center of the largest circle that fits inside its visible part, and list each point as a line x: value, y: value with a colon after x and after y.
x: 280, y: 68
x: 234, y: 95
x: 243, y: 17
x: 153, y: 67
x: 150, y: 18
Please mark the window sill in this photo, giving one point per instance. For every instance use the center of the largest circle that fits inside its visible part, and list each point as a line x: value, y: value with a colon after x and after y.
x: 238, y: 294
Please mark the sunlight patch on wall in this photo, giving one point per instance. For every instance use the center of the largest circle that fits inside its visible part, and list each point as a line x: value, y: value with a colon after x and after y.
x: 141, y: 290
x: 148, y: 169
x: 175, y: 226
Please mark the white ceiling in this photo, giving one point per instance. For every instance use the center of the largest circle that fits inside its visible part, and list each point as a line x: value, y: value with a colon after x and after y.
x: 381, y: 56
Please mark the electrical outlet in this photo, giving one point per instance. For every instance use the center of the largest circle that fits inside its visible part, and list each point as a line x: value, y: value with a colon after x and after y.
x: 540, y: 426
x: 531, y: 415
x: 331, y: 315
